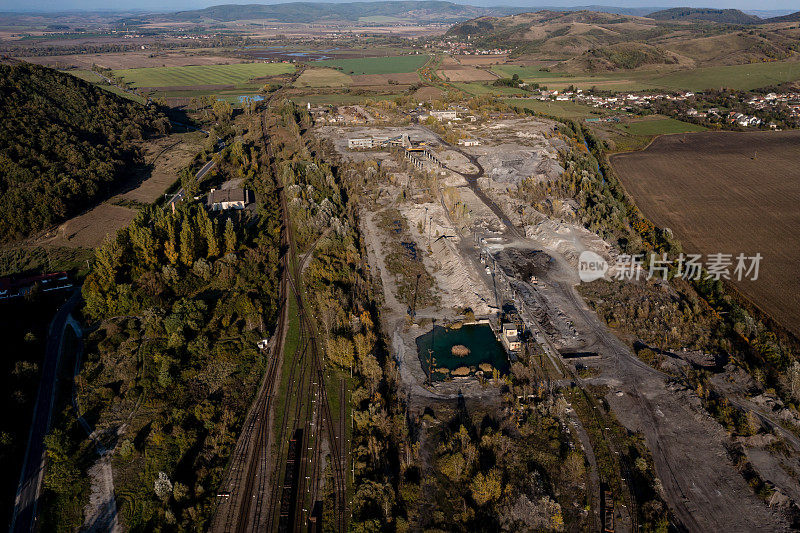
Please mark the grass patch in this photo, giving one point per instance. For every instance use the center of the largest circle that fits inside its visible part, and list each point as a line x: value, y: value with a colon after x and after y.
x: 39, y: 259
x: 526, y: 73
x: 569, y: 110
x: 743, y: 77
x: 659, y: 125
x: 479, y: 89
x: 124, y: 94
x: 376, y: 65
x: 86, y: 75
x: 340, y: 99
x: 201, y: 74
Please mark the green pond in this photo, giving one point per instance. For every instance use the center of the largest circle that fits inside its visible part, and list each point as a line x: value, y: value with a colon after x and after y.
x: 479, y: 338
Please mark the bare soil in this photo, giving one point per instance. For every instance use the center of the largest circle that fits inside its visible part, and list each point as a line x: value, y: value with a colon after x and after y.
x: 731, y: 193
x: 164, y: 158
x: 466, y: 74
x: 123, y: 60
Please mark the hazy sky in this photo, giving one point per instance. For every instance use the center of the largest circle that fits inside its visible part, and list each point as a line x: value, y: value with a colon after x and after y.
x: 173, y: 5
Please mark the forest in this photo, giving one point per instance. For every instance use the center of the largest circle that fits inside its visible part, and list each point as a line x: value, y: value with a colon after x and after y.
x: 64, y: 144
x: 174, y: 305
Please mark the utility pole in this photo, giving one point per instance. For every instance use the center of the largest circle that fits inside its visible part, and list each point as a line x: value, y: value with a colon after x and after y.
x: 430, y: 367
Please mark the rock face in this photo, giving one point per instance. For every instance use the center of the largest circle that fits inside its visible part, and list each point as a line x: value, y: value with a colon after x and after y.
x: 459, y: 350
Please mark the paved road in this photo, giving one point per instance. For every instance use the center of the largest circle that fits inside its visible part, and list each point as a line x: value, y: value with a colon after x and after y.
x: 199, y: 177
x: 30, y: 481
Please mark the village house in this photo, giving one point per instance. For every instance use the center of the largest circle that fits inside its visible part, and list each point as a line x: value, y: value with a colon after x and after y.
x: 224, y: 199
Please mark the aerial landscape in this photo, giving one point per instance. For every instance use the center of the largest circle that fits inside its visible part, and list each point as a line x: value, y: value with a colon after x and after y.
x: 400, y: 266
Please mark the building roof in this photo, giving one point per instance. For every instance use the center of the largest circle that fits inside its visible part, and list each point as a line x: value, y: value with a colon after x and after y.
x: 219, y: 196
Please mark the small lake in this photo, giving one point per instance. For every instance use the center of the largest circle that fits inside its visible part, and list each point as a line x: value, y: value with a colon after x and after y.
x: 480, y: 340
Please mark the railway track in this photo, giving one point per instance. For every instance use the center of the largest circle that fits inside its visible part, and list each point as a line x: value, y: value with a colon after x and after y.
x: 233, y: 512
x: 262, y: 492
x: 322, y: 403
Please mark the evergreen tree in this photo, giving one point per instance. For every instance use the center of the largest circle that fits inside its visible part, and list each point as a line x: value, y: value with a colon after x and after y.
x: 170, y: 248
x: 230, y: 237
x: 187, y: 243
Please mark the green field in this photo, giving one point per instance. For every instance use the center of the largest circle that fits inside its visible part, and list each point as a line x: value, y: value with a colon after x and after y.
x: 376, y: 65
x: 479, y: 89
x: 659, y: 126
x: 744, y: 77
x: 124, y: 94
x: 380, y: 19
x: 201, y: 74
x: 569, y: 110
x: 95, y: 79
x: 86, y: 75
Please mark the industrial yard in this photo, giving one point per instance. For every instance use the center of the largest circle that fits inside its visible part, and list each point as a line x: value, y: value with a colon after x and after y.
x: 486, y: 255
x: 403, y: 270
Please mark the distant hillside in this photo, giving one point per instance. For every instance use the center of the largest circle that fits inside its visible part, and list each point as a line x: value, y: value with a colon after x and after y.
x: 64, y: 144
x: 306, y: 12
x: 726, y: 16
x: 624, y: 56
x: 794, y: 17
x: 593, y: 41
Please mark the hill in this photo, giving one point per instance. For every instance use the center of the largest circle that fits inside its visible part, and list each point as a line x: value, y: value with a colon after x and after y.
x: 306, y: 12
x: 64, y: 144
x: 726, y: 16
x: 794, y: 17
x: 625, y: 56
x: 590, y: 38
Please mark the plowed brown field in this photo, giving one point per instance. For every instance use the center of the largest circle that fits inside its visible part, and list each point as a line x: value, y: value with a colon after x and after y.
x: 728, y: 192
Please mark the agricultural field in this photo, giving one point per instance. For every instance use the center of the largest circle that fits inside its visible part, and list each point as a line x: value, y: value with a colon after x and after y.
x: 529, y: 72
x: 744, y: 77
x: 126, y: 60
x: 323, y: 77
x: 728, y: 192
x: 376, y: 65
x: 399, y: 78
x: 119, y: 92
x: 481, y: 60
x: 479, y: 89
x: 340, y: 99
x: 465, y: 74
x: 658, y: 125
x: 201, y: 75
x: 567, y: 110
x: 86, y: 75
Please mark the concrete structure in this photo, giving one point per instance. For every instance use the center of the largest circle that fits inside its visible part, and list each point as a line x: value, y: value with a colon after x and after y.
x: 510, y: 337
x: 444, y: 115
x: 361, y: 144
x: 224, y: 199
x: 418, y: 157
x: 469, y: 142
x: 366, y: 143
